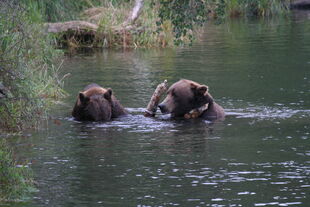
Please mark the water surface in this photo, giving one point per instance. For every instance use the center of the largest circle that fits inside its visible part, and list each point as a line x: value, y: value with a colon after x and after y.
x: 258, y: 70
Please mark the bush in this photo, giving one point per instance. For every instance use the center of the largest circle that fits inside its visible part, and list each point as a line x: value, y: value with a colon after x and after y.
x: 28, y: 76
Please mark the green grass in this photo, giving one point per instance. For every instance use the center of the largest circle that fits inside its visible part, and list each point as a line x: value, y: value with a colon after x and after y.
x: 15, y: 180
x: 110, y: 17
x: 262, y: 8
x: 64, y: 10
x: 110, y: 34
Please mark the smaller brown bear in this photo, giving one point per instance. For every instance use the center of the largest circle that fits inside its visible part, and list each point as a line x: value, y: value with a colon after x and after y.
x: 186, y: 95
x: 95, y: 103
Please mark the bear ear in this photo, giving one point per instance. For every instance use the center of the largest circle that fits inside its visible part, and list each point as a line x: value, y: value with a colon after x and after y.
x: 199, y: 89
x: 108, y: 94
x: 202, y: 89
x: 193, y: 86
x: 84, y: 99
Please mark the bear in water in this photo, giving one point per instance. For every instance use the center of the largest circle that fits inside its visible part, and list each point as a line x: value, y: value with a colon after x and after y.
x: 95, y: 103
x: 186, y: 95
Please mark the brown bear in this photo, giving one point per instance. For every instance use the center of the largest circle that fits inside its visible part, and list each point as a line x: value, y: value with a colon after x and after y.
x: 95, y: 103
x: 186, y: 95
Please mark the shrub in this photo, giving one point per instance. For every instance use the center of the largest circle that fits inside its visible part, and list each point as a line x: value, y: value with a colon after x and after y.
x: 28, y: 75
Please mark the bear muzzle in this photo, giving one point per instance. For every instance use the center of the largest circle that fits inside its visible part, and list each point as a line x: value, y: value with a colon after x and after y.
x: 163, y: 108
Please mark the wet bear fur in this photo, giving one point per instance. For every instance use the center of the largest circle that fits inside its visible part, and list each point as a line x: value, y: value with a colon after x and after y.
x: 95, y: 103
x: 185, y: 95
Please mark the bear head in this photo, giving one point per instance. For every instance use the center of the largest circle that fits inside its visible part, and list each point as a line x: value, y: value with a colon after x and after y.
x: 93, y: 104
x: 183, y: 96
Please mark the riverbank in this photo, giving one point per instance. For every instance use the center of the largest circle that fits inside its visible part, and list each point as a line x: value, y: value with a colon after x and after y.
x: 29, y: 85
x: 114, y: 26
x: 156, y: 24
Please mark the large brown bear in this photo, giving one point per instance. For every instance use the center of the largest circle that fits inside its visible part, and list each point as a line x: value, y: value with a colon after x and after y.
x: 186, y: 95
x: 95, y: 103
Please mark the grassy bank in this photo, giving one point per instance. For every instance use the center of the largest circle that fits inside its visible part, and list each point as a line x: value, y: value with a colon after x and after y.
x: 161, y: 23
x: 15, y: 180
x: 143, y: 34
x: 29, y: 84
x: 109, y: 17
x: 29, y: 67
x: 64, y: 10
x: 261, y: 8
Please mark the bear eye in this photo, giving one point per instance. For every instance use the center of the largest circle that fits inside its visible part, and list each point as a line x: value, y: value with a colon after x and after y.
x: 173, y: 93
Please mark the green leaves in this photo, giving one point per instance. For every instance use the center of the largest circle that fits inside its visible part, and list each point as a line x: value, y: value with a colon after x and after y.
x: 184, y: 15
x: 27, y: 68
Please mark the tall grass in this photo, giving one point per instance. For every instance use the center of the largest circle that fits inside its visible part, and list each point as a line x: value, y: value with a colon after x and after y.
x: 64, y: 10
x: 27, y: 69
x: 262, y: 8
x: 15, y: 180
x: 144, y: 34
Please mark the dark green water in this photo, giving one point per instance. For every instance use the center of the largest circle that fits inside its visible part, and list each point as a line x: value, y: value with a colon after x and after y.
x: 259, y: 156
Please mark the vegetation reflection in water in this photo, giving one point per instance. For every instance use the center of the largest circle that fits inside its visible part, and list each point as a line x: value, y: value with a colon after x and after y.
x: 258, y: 156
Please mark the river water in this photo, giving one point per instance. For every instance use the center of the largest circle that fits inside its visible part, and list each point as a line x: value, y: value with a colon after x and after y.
x: 258, y: 70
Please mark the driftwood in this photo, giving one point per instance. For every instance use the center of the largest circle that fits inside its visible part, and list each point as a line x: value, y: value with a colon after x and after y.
x: 152, y: 106
x: 84, y: 26
x: 195, y: 113
x: 78, y: 26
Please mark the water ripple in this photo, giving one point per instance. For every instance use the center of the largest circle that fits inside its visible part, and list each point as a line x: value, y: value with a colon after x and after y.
x: 265, y: 113
x: 136, y: 122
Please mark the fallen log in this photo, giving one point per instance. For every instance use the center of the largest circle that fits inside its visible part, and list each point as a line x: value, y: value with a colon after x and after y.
x: 82, y: 26
x: 152, y: 105
x: 88, y: 33
x: 77, y: 26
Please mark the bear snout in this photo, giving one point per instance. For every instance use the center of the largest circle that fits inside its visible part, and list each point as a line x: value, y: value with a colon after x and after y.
x: 163, y: 108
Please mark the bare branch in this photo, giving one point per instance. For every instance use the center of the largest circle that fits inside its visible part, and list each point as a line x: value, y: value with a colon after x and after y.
x: 135, y: 13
